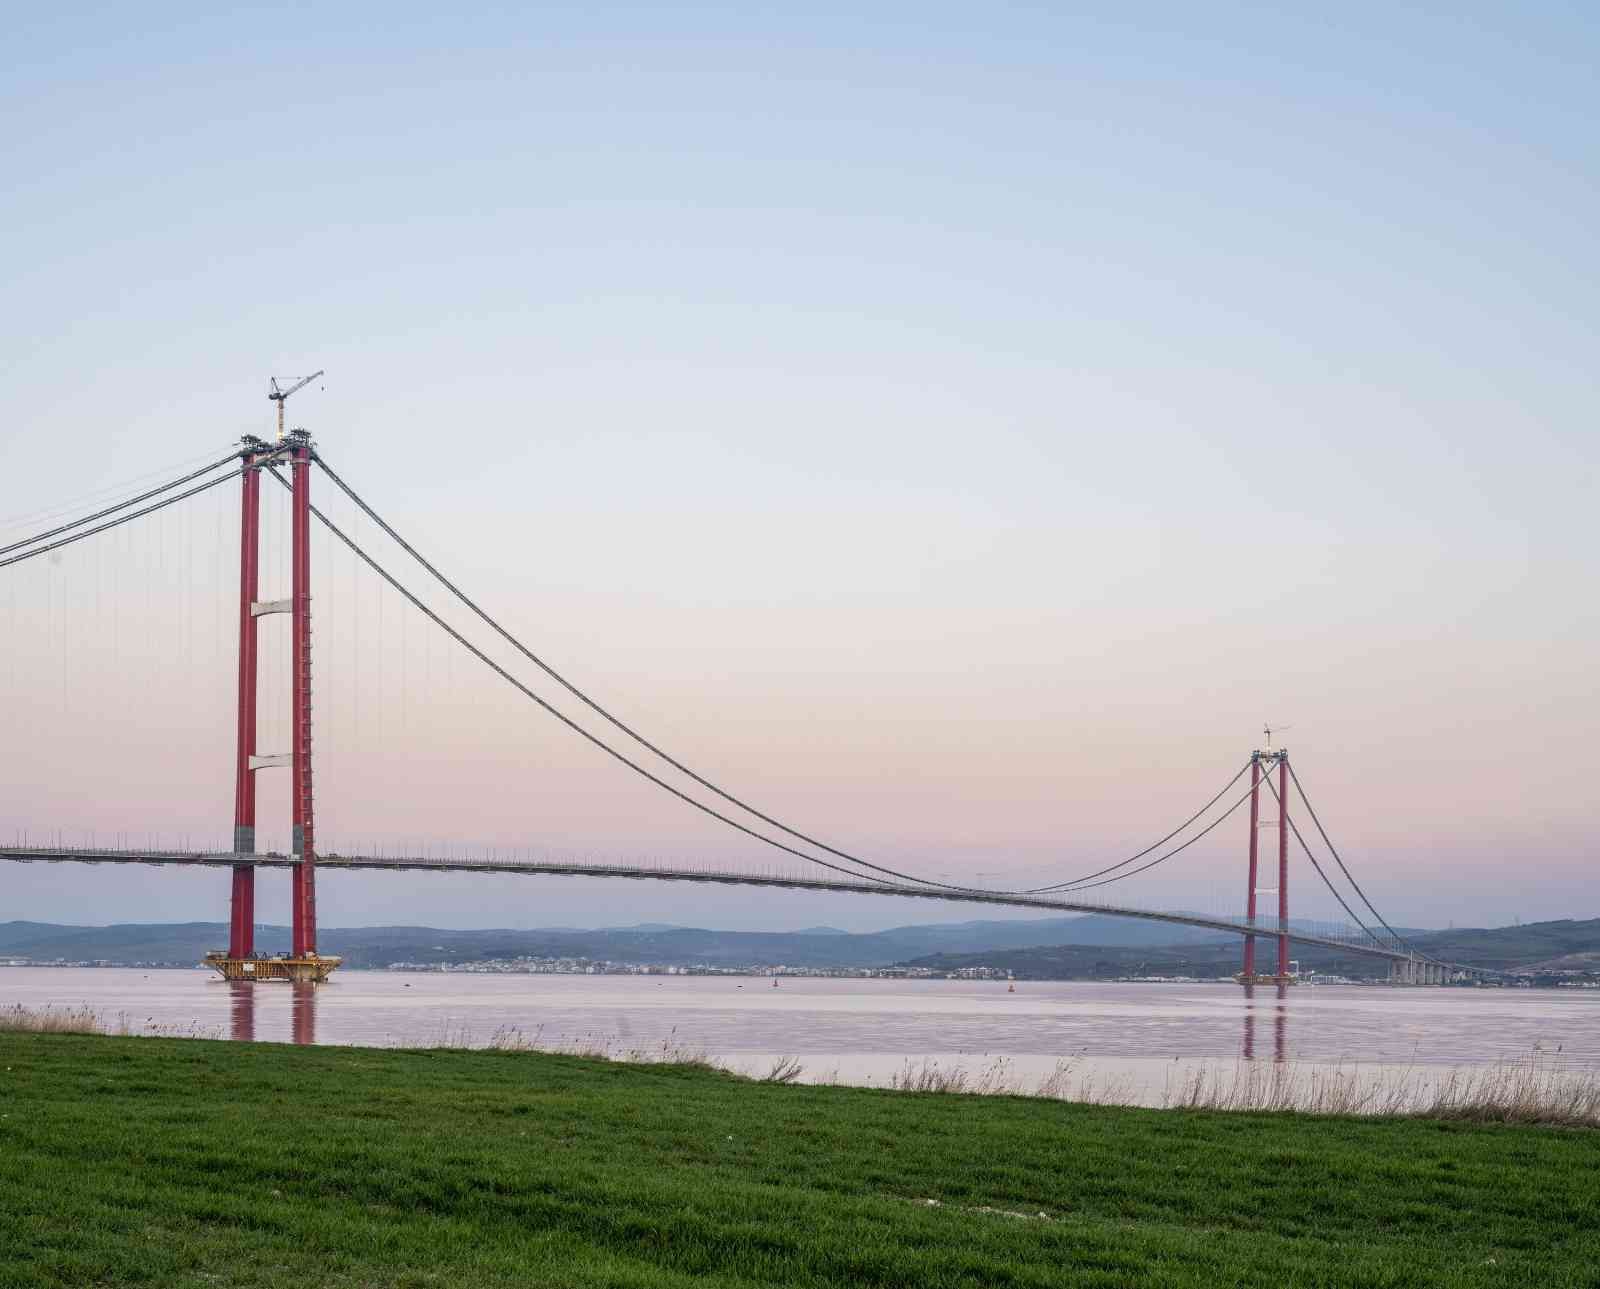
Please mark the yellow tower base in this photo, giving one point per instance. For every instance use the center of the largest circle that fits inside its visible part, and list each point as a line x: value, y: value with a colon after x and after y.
x: 314, y: 968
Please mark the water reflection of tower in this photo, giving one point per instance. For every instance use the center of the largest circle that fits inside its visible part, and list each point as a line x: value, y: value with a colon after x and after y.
x: 242, y: 1010
x: 304, y: 1013
x: 1280, y: 1024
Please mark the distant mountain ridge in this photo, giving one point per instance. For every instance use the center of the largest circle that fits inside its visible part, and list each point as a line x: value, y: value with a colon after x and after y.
x: 1039, y: 949
x: 1537, y: 949
x: 1047, y: 948
x: 648, y: 943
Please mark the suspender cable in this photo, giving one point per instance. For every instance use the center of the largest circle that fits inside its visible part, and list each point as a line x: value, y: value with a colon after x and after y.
x: 121, y: 505
x: 567, y: 720
x: 1294, y: 828
x: 594, y: 706
x: 1311, y: 810
x: 1088, y: 885
x: 676, y: 764
x: 98, y: 496
x: 1183, y: 827
x: 119, y: 521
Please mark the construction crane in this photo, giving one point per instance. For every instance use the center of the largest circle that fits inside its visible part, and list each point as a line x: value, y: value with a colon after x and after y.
x: 279, y: 395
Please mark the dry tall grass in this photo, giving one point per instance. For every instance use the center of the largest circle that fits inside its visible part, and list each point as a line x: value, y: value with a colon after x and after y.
x: 82, y: 1019
x: 1529, y: 1091
x: 784, y: 1069
x: 994, y: 1079
x: 1536, y: 1091
x: 595, y: 1047
x: 1068, y: 1081
x: 1539, y: 1090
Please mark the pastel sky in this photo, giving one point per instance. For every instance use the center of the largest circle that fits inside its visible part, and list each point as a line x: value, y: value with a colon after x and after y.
x: 957, y: 428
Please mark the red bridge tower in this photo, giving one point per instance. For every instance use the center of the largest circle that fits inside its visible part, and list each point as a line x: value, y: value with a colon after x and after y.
x: 241, y: 962
x: 1263, y: 763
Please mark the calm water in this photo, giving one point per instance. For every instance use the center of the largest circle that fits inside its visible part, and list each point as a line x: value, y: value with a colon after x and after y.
x: 857, y: 1025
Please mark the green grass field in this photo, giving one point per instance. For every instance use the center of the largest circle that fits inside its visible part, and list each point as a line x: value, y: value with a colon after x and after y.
x: 183, y: 1162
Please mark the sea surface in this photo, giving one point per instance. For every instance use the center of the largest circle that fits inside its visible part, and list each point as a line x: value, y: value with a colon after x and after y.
x: 1139, y: 1036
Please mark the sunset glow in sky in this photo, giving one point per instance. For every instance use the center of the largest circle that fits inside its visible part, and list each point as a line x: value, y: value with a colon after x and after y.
x: 957, y: 429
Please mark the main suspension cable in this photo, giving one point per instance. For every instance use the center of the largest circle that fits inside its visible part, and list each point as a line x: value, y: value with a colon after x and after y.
x: 1312, y: 811
x: 572, y: 724
x: 678, y: 765
x: 595, y: 706
x: 121, y: 505
x: 1283, y: 809
x: 120, y: 520
x: 1088, y: 885
x: 1183, y: 827
x: 99, y: 496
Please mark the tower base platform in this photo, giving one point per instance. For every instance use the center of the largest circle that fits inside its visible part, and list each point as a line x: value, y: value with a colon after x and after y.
x: 314, y: 968
x: 1258, y: 979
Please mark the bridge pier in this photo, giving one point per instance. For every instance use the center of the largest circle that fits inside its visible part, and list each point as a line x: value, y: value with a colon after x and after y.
x: 1414, y: 971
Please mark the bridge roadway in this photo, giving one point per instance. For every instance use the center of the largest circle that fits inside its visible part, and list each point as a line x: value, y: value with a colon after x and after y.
x: 332, y: 863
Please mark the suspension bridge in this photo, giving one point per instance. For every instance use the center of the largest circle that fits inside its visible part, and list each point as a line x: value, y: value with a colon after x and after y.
x: 798, y: 859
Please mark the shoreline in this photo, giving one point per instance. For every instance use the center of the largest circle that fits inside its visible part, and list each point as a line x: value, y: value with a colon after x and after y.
x: 1540, y: 1088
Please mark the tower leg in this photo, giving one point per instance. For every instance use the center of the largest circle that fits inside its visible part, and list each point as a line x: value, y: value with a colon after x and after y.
x: 1283, y: 864
x: 305, y: 890
x: 1250, y: 892
x: 242, y: 919
x: 241, y: 925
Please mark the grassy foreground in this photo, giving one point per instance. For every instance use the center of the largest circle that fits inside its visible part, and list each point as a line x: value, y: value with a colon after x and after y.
x: 183, y: 1162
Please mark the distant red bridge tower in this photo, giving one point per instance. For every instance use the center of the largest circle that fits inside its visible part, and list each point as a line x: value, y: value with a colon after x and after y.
x: 1262, y: 764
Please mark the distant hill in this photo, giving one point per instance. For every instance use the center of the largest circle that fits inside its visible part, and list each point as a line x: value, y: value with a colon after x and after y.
x: 175, y: 943
x: 1208, y: 960
x: 1540, y: 948
x: 1535, y: 945
x: 1060, y: 948
x: 164, y: 942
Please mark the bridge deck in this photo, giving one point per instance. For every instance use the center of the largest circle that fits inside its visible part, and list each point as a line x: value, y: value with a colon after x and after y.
x: 1044, y: 903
